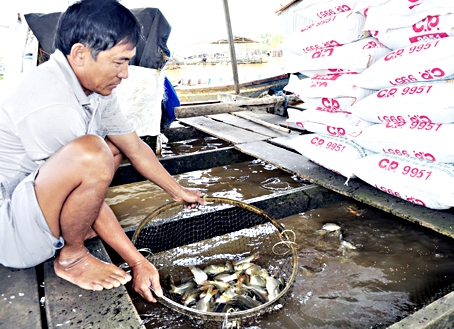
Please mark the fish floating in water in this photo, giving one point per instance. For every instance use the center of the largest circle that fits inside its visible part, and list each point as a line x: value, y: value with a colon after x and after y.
x: 231, y: 287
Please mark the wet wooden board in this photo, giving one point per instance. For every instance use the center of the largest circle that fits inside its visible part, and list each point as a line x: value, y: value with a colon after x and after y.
x: 19, y: 301
x: 68, y: 306
x: 248, y: 125
x: 441, y: 221
x: 275, y: 119
x: 223, y: 131
x: 437, y: 315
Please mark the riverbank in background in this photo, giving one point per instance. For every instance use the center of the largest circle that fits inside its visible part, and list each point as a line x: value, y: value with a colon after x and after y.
x: 221, y: 73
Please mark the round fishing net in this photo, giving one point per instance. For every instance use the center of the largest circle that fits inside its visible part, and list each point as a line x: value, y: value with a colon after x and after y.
x: 221, y: 265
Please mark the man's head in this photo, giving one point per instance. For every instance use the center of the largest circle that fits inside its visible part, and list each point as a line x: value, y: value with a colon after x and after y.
x: 99, y: 38
x: 97, y: 24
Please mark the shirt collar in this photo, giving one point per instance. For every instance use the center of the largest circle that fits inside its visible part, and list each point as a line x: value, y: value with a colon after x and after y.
x: 70, y: 77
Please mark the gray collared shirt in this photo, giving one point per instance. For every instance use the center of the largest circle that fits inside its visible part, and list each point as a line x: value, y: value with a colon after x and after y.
x: 47, y: 109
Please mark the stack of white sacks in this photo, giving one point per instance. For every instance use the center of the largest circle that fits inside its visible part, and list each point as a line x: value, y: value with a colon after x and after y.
x: 379, y: 97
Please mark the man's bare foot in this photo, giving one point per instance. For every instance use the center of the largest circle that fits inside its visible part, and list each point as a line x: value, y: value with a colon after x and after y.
x: 89, y: 272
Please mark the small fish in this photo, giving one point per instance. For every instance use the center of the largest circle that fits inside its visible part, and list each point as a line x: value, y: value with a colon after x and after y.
x: 190, y: 297
x: 258, y: 292
x: 229, y: 266
x: 253, y: 270
x: 264, y: 274
x: 272, y: 287
x: 182, y: 287
x: 199, y: 275
x: 220, y: 285
x: 243, y: 266
x: 247, y: 259
x: 227, y: 295
x: 215, y: 269
x: 204, y: 304
x: 243, y: 279
x: 330, y: 227
x: 257, y: 280
x: 347, y: 245
x: 225, y: 277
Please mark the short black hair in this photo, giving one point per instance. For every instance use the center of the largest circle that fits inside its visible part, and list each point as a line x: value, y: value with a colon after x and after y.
x: 98, y: 24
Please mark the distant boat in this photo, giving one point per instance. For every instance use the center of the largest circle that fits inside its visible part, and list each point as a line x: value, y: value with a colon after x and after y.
x: 204, y: 93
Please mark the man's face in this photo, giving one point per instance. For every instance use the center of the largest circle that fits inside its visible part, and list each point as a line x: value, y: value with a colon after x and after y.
x: 106, y: 72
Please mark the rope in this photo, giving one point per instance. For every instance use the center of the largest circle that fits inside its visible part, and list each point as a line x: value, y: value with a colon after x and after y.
x: 226, y: 324
x: 284, y: 242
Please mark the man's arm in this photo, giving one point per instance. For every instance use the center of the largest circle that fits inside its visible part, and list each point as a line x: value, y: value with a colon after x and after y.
x: 144, y: 160
x: 146, y: 163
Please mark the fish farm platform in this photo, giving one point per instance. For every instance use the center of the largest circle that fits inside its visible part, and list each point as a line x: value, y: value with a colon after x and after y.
x: 37, y: 298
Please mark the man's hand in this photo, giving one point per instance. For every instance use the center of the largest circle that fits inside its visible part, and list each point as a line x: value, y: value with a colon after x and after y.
x: 192, y: 196
x: 145, y: 275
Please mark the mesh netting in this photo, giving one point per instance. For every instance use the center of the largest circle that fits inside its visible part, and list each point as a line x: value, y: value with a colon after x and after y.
x: 223, y: 230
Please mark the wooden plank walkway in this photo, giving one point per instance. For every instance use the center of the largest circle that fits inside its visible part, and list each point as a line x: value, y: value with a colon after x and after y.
x: 19, y: 299
x: 65, y: 305
x: 224, y: 131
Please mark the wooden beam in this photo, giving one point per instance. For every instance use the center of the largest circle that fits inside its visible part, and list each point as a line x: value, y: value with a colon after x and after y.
x: 210, y: 109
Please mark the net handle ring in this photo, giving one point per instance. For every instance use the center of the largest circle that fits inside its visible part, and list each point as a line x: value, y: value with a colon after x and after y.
x: 219, y: 317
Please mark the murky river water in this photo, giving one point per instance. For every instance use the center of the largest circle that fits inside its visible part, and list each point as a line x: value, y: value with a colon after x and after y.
x: 133, y: 202
x: 396, y: 268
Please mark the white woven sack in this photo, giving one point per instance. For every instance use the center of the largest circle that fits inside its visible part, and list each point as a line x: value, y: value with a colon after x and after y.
x: 418, y: 181
x: 337, y: 104
x: 332, y: 31
x: 319, y: 9
x: 430, y: 28
x: 331, y: 123
x: 337, y: 87
x: 352, y: 57
x: 425, y: 61
x: 408, y: 103
x: 140, y: 98
x: 362, y: 6
x: 419, y: 140
x: 333, y: 153
x: 402, y: 13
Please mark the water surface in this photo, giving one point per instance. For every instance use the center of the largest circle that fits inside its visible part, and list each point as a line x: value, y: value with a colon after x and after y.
x: 396, y: 269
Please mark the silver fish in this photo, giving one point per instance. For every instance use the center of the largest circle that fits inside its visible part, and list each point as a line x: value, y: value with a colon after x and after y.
x: 225, y: 277
x: 253, y: 270
x: 229, y: 266
x: 256, y: 280
x: 190, y: 297
x: 272, y: 287
x: 215, y: 269
x: 247, y: 259
x: 204, y: 304
x: 182, y: 287
x: 220, y: 285
x: 199, y: 275
x: 243, y: 266
x: 227, y: 295
x: 258, y: 292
